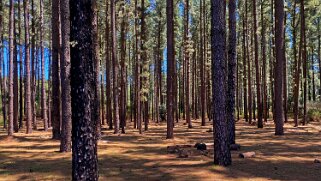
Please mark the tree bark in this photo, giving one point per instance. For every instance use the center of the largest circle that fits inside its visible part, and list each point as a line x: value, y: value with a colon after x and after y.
x: 55, y: 21
x: 257, y: 70
x: 11, y: 53
x: 84, y: 90
x: 43, y: 87
x: 187, y: 64
x: 65, y: 144
x: 230, y: 107
x: 279, y: 39
x: 27, y: 69
x: 222, y: 154
x: 170, y: 68
x: 109, y: 114
x: 115, y: 66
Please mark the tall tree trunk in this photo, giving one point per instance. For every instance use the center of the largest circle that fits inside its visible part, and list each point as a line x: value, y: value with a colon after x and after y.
x: 222, y: 154
x: 257, y: 69
x: 319, y: 53
x: 202, y: 72
x: 187, y: 64
x: 20, y: 68
x: 15, y: 78
x: 145, y: 66
x: 249, y: 79
x: 279, y: 39
x: 34, y: 62
x: 285, y: 91
x: 230, y: 107
x: 122, y: 109
x: 55, y: 21
x: 27, y: 68
x: 109, y: 114
x: 297, y: 65
x: 43, y: 87
x: 244, y: 69
x: 170, y: 68
x: 263, y: 42
x: 84, y: 90
x: 304, y: 59
x: 65, y: 144
x: 115, y: 66
x: 11, y: 49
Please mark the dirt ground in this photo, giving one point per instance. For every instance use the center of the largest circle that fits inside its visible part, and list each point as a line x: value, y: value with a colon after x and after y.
x: 144, y: 157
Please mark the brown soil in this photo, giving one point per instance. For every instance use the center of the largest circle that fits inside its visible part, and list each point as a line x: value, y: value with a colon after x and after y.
x: 144, y: 157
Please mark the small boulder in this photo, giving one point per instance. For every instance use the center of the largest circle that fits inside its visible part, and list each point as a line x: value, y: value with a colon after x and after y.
x: 317, y: 161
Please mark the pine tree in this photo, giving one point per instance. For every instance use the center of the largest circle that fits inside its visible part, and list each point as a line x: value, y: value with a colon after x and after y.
x: 83, y: 87
x: 222, y: 155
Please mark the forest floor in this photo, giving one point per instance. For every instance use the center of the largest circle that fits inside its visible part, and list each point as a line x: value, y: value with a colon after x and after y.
x: 144, y: 157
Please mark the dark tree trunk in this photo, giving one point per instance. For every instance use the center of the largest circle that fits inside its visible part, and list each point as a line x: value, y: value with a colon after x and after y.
x: 109, y: 114
x: 230, y: 107
x: 55, y: 70
x: 222, y: 154
x: 285, y: 83
x: 83, y: 90
x: 123, y: 109
x: 264, y: 91
x: 319, y: 54
x: 187, y: 64
x: 297, y: 65
x: 304, y: 59
x: 279, y: 39
x: 170, y: 68
x: 15, y: 78
x: 65, y: 144
x: 257, y: 70
x: 249, y: 71
x: 244, y: 69
x: 115, y: 66
x: 202, y: 72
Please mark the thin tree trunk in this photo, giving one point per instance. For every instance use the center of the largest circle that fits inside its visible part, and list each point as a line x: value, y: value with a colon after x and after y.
x: 202, y: 72
x: 230, y: 107
x: 43, y: 87
x: 15, y: 78
x: 109, y: 115
x: 187, y: 64
x: 115, y: 66
x: 11, y: 53
x: 304, y: 59
x: 27, y: 69
x: 257, y: 68
x: 65, y: 144
x: 55, y: 69
x: 279, y: 39
x: 20, y: 67
x: 263, y: 42
x: 170, y: 68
